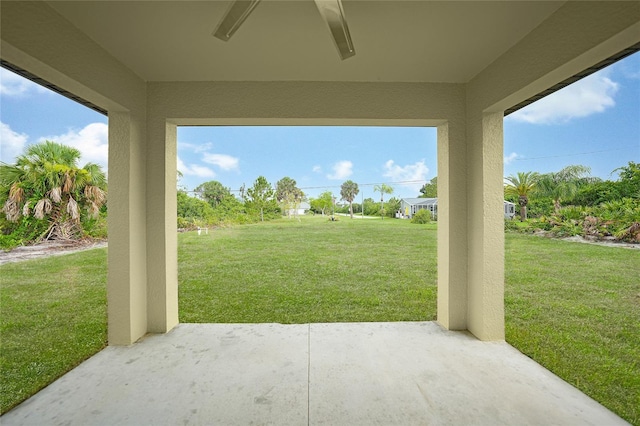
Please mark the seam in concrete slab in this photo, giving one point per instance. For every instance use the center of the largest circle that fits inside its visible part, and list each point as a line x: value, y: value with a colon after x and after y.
x: 308, y: 374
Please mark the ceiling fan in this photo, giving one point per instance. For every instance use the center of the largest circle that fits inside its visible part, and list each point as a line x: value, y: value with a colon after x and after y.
x: 331, y: 11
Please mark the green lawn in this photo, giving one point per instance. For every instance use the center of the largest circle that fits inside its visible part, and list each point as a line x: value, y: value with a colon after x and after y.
x: 574, y: 308
x: 53, y: 316
x: 309, y: 271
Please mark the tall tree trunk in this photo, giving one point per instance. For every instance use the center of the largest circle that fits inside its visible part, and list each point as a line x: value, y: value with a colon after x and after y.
x: 61, y: 226
x: 523, y: 213
x: 523, y: 201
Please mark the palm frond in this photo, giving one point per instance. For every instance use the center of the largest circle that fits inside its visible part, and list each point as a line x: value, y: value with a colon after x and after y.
x: 42, y: 208
x: 72, y: 209
x: 26, y: 211
x: 93, y: 210
x: 8, y: 175
x: 67, y: 182
x: 56, y: 194
x: 16, y: 193
x: 52, y: 152
x: 95, y: 194
x: 11, y: 210
x: 96, y: 176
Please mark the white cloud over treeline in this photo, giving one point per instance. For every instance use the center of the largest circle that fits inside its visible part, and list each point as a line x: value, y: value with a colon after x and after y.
x: 508, y: 159
x: 195, y: 170
x: 341, y: 170
x: 11, y: 143
x: 188, y: 162
x: 92, y: 141
x: 416, y: 172
x: 591, y: 95
x: 410, y: 172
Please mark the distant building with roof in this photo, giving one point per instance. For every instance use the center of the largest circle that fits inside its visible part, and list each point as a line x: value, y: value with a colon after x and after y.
x: 299, y: 210
x: 410, y: 206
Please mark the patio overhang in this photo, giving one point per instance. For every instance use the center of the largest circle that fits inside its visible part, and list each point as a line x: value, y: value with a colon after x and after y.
x: 455, y: 65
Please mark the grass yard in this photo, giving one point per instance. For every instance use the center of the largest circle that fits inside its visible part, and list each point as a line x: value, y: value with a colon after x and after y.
x: 53, y: 316
x: 574, y: 308
x: 310, y: 271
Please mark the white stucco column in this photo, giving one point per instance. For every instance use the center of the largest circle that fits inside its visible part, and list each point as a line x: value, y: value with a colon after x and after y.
x: 161, y: 226
x: 127, y: 266
x: 485, y: 195
x: 452, y: 226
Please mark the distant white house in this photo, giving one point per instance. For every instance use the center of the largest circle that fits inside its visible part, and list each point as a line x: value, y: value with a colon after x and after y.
x: 301, y: 209
x: 509, y: 210
x: 410, y: 206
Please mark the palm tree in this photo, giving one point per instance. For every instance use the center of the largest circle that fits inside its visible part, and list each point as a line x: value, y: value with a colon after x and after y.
x: 563, y: 184
x: 46, y: 182
x: 521, y: 186
x: 383, y: 188
x: 288, y: 193
x: 348, y: 192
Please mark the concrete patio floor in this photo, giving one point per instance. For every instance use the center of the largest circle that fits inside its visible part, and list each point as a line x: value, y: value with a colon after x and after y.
x: 317, y: 374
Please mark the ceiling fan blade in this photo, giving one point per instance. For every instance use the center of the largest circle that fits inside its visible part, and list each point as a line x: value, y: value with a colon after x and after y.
x: 235, y: 16
x: 333, y: 14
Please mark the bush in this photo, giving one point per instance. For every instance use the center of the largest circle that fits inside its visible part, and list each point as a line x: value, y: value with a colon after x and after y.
x: 421, y: 217
x: 23, y: 232
x: 511, y: 225
x: 537, y: 207
x: 95, y: 227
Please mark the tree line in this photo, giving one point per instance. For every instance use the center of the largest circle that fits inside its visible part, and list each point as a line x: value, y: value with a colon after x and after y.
x: 571, y: 202
x: 45, y: 194
x: 213, y: 203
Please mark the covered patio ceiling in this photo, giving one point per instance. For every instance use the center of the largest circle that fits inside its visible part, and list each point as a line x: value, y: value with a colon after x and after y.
x: 395, y: 41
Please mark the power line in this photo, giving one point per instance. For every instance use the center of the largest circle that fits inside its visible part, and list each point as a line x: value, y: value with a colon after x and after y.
x: 403, y: 182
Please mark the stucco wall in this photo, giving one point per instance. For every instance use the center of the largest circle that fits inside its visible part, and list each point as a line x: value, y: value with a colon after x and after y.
x: 36, y: 38
x: 142, y: 283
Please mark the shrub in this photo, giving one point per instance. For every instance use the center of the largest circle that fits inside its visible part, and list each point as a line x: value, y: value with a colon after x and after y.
x: 421, y: 217
x: 511, y: 225
x: 23, y: 232
x: 96, y: 227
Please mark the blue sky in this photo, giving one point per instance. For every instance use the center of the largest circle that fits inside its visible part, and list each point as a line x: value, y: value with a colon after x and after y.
x: 594, y: 122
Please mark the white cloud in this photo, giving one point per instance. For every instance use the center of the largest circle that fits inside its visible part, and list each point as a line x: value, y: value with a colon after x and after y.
x: 12, y: 84
x: 411, y: 172
x: 341, y: 170
x: 195, y: 170
x: 317, y: 169
x: 508, y: 159
x: 225, y: 162
x: 12, y: 143
x: 92, y: 141
x: 591, y: 95
x: 198, y: 148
